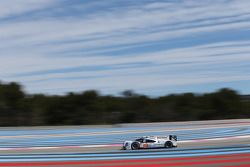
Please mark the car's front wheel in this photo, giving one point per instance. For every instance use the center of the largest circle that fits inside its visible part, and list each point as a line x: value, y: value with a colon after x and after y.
x: 168, y: 144
x: 135, y: 146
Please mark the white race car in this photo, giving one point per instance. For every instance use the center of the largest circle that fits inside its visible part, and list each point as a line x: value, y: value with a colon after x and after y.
x: 151, y: 142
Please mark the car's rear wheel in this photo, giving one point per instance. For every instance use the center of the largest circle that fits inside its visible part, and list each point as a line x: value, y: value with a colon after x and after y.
x: 135, y: 146
x: 168, y: 144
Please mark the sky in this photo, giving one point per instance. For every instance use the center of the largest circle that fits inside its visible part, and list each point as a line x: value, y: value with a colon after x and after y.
x: 154, y: 47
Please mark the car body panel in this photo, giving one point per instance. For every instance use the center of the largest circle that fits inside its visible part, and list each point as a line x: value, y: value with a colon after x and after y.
x: 151, y: 142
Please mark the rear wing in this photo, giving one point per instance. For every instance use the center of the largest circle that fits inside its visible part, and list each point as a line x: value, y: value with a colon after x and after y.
x: 169, y: 137
x: 173, y: 137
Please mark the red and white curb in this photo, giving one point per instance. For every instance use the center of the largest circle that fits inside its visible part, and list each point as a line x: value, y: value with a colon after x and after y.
x: 118, y: 145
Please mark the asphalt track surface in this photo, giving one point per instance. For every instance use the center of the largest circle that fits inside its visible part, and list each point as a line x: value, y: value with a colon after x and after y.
x: 207, y: 143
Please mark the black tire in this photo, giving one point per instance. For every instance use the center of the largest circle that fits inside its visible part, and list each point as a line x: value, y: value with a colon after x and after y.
x: 168, y: 144
x: 135, y: 146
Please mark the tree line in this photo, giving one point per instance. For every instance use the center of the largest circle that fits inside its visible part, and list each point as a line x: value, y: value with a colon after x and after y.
x: 90, y: 107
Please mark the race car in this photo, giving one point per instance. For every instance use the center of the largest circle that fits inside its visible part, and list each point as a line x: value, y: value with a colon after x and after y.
x: 151, y: 142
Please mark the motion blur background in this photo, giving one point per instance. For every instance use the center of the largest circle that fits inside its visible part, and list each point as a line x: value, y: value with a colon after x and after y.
x: 116, y: 70
x: 123, y: 61
x: 154, y: 47
x: 90, y: 107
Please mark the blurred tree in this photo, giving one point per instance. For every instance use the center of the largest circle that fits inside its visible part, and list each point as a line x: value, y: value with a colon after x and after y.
x: 11, y: 97
x: 129, y: 93
x: 89, y: 107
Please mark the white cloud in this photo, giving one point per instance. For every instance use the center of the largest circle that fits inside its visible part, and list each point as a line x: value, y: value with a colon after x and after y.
x: 170, y: 68
x: 11, y: 8
x: 48, y: 43
x: 54, y: 29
